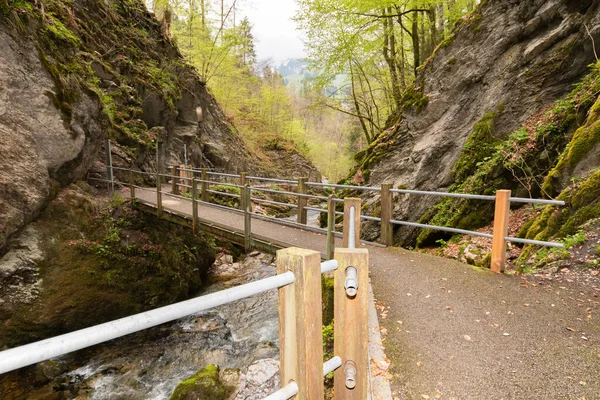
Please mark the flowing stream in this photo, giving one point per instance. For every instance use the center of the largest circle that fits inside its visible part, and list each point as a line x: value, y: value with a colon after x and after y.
x: 150, y: 364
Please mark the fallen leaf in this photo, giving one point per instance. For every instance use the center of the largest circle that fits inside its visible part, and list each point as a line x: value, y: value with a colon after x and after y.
x: 437, y: 395
x: 506, y: 334
x: 595, y: 273
x: 570, y: 329
x: 425, y: 396
x: 467, y: 337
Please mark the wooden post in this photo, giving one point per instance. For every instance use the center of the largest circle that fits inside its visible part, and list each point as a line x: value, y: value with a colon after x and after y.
x: 300, y: 323
x: 330, y: 226
x: 351, y: 202
x: 204, y: 185
x: 182, y: 181
x: 175, y: 175
x: 159, y: 208
x: 387, y: 229
x: 194, y: 206
x: 242, y: 194
x: 351, y: 324
x: 302, y: 201
x: 132, y: 185
x: 247, y: 219
x: 109, y: 169
x: 501, y: 218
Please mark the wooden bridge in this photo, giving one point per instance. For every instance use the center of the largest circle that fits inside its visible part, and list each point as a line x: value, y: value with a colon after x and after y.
x: 450, y: 330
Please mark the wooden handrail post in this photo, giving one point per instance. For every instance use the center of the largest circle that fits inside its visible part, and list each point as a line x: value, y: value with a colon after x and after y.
x: 348, y: 203
x: 175, y: 175
x: 501, y: 218
x: 302, y: 201
x: 387, y: 204
x: 194, y: 205
x: 300, y: 323
x: 242, y: 194
x: 182, y: 181
x: 109, y: 168
x: 159, y: 207
x: 351, y: 327
x: 204, y: 185
x: 247, y: 219
x: 132, y: 185
x: 330, y: 226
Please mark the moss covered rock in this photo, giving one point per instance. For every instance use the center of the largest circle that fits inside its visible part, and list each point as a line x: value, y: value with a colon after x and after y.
x: 203, y: 385
x: 103, y: 260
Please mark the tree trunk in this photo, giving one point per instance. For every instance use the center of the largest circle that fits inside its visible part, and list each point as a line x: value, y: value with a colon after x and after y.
x: 357, y: 106
x: 415, y: 41
x: 389, y: 54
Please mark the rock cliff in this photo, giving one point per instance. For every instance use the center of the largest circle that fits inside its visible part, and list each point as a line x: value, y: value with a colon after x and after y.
x: 73, y: 73
x: 502, y: 69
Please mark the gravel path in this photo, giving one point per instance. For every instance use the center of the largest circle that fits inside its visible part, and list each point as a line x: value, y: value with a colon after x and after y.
x: 456, y: 332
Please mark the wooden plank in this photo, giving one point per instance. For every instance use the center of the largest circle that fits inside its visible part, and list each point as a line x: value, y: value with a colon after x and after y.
x: 302, y: 201
x: 175, y: 178
x: 351, y: 323
x: 387, y: 229
x: 109, y: 170
x: 132, y: 185
x: 501, y: 219
x: 194, y: 206
x: 242, y: 197
x: 205, y: 185
x: 300, y: 323
x: 159, y: 207
x: 330, y: 227
x: 245, y: 193
x: 182, y: 180
x: 351, y: 202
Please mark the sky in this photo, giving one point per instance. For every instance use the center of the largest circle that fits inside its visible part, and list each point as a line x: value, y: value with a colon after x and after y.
x: 274, y: 31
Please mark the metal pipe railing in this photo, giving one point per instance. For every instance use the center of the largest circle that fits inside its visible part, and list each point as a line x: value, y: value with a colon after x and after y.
x: 333, y: 185
x: 441, y: 228
x: 445, y: 194
x: 46, y: 349
x: 536, y: 201
x: 329, y: 266
x: 220, y: 174
x: 224, y: 193
x: 352, y: 229
x: 331, y: 365
x: 534, y: 242
x: 258, y: 178
x: 274, y: 202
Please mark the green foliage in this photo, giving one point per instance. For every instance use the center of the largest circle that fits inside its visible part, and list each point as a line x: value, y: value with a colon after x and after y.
x: 477, y: 149
x: 106, y: 261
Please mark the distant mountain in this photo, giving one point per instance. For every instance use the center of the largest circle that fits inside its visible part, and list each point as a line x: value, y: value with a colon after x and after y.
x: 294, y: 71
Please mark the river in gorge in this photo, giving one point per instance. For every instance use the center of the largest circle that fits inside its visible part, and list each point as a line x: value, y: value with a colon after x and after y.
x: 241, y: 338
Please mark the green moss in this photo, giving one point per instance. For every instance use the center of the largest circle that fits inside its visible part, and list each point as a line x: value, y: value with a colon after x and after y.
x: 327, y: 294
x: 104, y: 262
x: 451, y: 61
x: 203, y: 385
x: 478, y: 148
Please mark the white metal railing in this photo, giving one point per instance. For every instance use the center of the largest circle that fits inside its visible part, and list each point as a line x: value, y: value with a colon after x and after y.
x: 49, y: 348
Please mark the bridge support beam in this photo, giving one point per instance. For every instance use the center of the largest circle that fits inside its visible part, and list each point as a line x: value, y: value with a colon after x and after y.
x: 132, y: 185
x: 242, y: 196
x: 205, y: 185
x: 387, y: 206
x: 302, y: 201
x: 182, y: 181
x: 175, y: 178
x: 300, y: 323
x: 194, y: 206
x: 159, y: 207
x: 501, y: 219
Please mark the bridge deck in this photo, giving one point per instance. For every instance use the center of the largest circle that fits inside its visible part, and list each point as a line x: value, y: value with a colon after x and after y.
x: 452, y: 331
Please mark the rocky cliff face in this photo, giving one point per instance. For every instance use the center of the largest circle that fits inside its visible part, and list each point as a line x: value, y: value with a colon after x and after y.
x: 504, y: 64
x: 73, y: 73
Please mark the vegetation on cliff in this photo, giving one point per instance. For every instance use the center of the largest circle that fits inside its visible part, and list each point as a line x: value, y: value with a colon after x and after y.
x: 102, y: 261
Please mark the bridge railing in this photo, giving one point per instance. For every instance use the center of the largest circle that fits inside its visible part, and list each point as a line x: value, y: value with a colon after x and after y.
x: 183, y: 178
x: 298, y: 281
